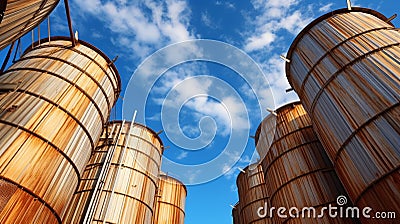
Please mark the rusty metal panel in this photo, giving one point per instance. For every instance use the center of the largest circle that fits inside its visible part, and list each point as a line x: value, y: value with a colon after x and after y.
x: 170, y: 205
x: 236, y: 218
x: 252, y: 195
x: 129, y: 159
x: 50, y: 121
x: 23, y: 201
x: 21, y: 16
x: 297, y: 168
x: 265, y: 135
x: 345, y: 67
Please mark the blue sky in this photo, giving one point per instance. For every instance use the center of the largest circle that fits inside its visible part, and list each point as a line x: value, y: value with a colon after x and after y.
x: 208, y: 107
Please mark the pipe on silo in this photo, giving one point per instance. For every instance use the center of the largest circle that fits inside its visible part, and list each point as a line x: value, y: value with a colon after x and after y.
x: 54, y: 102
x: 22, y: 16
x: 170, y: 201
x: 252, y: 195
x: 345, y: 67
x: 298, y: 171
x: 120, y: 181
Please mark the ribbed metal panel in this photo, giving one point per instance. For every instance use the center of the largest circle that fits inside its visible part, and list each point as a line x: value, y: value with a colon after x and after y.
x: 345, y: 67
x: 52, y: 109
x: 252, y: 195
x: 236, y: 218
x: 170, y: 205
x: 298, y: 171
x: 21, y: 16
x: 129, y: 159
x: 265, y: 135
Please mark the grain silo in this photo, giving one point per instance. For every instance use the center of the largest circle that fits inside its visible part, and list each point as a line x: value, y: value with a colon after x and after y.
x: 265, y: 136
x: 21, y: 16
x: 170, y: 201
x: 120, y: 181
x: 252, y: 195
x: 345, y: 67
x: 298, y: 171
x: 54, y: 103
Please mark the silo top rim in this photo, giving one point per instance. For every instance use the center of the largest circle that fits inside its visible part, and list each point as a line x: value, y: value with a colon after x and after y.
x: 235, y: 207
x: 149, y: 129
x: 55, y: 38
x: 322, y: 18
x: 245, y: 169
x: 258, y: 132
x: 166, y: 177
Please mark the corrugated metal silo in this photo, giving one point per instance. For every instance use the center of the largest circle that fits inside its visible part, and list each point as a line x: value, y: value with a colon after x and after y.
x: 120, y: 181
x: 265, y: 136
x: 54, y: 102
x: 21, y: 16
x: 298, y: 171
x: 236, y: 218
x: 170, y: 201
x: 252, y: 195
x: 345, y: 67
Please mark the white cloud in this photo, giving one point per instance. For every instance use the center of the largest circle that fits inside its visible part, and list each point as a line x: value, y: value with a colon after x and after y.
x: 192, y: 176
x: 182, y: 155
x: 92, y: 6
x: 295, y: 22
x: 191, y: 131
x: 175, y: 26
x: 228, y: 113
x: 187, y: 88
x: 233, y: 188
x: 326, y: 7
x: 227, y: 4
x: 272, y: 17
x: 234, y: 157
x: 260, y: 41
x: 207, y: 20
x: 217, y: 110
x: 155, y: 117
x: 247, y: 91
x: 147, y: 24
x: 229, y: 171
x: 273, y: 8
x: 230, y: 5
x: 267, y: 32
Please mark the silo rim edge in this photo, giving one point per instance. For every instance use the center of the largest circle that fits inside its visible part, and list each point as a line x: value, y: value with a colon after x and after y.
x: 175, y: 179
x: 258, y: 131
x: 304, y: 31
x: 142, y: 125
x: 97, y: 50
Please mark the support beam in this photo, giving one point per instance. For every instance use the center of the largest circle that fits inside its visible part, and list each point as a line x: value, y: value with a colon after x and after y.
x: 5, y: 62
x: 71, y: 31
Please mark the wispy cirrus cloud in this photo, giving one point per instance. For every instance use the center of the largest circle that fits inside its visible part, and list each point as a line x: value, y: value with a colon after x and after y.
x: 141, y: 26
x: 207, y: 20
x: 326, y: 7
x: 271, y: 18
x: 227, y: 4
x: 268, y: 31
x: 232, y: 171
x: 182, y: 155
